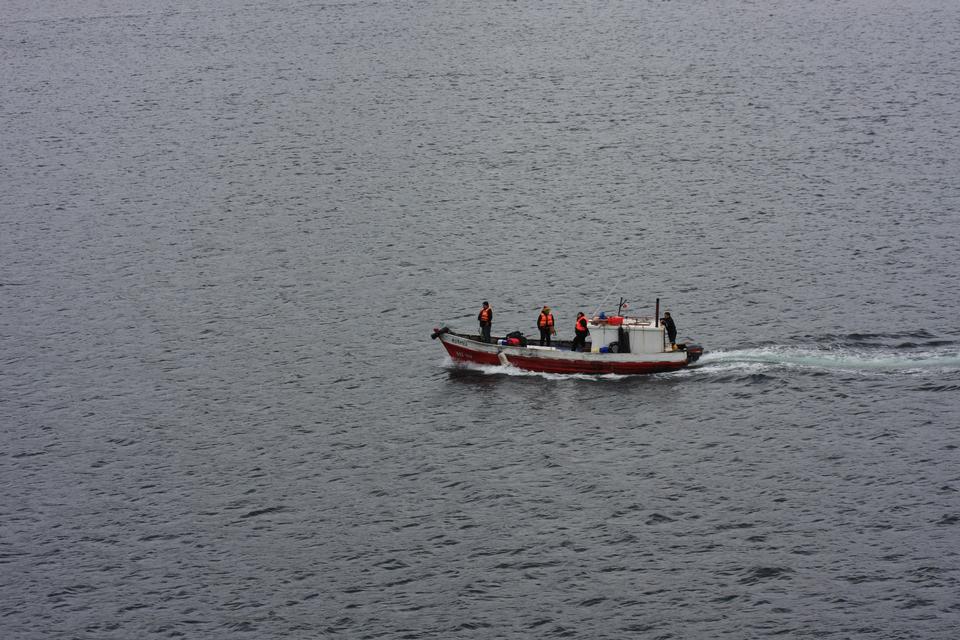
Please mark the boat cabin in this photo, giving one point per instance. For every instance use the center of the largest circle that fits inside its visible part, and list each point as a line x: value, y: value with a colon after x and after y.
x: 624, y: 334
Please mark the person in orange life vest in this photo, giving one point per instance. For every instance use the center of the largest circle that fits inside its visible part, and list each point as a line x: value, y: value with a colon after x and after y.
x: 485, y: 318
x: 580, y: 329
x: 545, y: 324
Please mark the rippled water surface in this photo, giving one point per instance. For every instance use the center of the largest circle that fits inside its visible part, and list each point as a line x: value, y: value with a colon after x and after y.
x: 227, y: 230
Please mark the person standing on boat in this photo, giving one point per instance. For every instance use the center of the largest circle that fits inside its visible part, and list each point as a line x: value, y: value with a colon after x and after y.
x: 580, y: 329
x: 545, y: 324
x: 671, y: 328
x: 485, y: 318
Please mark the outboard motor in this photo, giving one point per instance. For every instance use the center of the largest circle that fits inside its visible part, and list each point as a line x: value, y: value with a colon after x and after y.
x: 694, y: 351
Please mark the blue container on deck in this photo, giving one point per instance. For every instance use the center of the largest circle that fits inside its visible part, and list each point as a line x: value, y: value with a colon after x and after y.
x: 604, y: 349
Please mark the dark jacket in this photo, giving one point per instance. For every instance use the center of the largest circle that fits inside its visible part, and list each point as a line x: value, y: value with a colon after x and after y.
x: 670, y: 327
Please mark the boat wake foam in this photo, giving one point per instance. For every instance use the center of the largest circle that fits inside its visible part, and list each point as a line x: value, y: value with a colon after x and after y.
x: 831, y: 359
x: 498, y: 370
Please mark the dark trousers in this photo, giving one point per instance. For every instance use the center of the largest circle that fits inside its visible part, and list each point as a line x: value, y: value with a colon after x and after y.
x: 485, y: 331
x: 672, y: 335
x: 580, y: 340
x: 545, y: 337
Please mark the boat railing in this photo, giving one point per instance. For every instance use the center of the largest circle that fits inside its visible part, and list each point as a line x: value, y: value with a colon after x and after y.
x: 630, y: 321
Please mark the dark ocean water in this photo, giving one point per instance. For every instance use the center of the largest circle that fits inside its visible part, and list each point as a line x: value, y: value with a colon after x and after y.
x: 228, y: 228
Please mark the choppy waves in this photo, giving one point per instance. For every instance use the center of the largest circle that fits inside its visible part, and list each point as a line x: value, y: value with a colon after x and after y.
x: 226, y: 232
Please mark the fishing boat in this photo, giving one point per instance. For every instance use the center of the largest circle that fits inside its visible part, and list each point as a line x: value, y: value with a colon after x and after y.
x: 616, y: 344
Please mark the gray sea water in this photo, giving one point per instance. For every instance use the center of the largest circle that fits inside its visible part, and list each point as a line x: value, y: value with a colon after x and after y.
x: 228, y: 228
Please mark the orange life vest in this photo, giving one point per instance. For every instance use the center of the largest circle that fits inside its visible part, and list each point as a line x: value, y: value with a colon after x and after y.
x: 545, y: 320
x: 485, y: 314
x: 581, y: 324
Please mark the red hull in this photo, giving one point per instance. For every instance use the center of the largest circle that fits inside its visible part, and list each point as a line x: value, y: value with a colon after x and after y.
x: 463, y: 349
x: 462, y: 354
x: 596, y: 368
